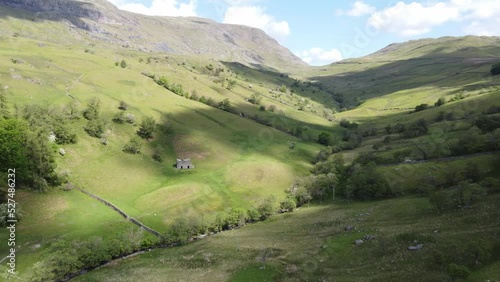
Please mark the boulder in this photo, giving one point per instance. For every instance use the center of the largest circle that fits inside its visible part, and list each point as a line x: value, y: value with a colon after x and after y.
x: 349, y: 228
x: 358, y: 242
x: 62, y: 151
x: 416, y: 248
x: 368, y: 237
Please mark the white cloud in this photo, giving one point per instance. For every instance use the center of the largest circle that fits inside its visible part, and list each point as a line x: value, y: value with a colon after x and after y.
x: 410, y: 19
x: 413, y: 18
x: 240, y: 2
x: 359, y: 8
x: 255, y: 16
x: 171, y: 8
x: 319, y: 56
x: 483, y: 29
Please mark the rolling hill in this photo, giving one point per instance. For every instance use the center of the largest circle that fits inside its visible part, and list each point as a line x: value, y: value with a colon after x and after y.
x: 99, y: 22
x: 261, y: 128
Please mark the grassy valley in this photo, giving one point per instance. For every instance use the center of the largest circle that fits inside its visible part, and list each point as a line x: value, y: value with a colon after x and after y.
x: 398, y: 149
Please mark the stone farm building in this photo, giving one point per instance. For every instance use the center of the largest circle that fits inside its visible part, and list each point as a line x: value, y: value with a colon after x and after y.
x: 184, y: 164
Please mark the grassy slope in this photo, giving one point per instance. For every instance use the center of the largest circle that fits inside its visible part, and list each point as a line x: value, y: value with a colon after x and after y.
x: 311, y: 245
x: 423, y: 70
x: 238, y: 161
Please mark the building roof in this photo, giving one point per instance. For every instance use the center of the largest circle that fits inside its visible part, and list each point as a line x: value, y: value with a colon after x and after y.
x: 184, y: 161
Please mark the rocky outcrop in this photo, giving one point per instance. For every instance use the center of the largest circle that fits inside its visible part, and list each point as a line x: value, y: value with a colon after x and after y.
x: 66, y: 8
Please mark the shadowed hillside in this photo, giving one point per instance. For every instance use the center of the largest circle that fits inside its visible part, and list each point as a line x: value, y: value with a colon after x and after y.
x: 100, y: 22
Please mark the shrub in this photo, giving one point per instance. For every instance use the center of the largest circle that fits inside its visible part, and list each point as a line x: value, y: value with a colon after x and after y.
x: 133, y: 146
x: 487, y: 123
x: 255, y: 99
x: 282, y: 88
x: 231, y: 83
x: 95, y: 127
x: 224, y: 105
x: 377, y: 146
x: 366, y: 183
x: 495, y: 69
x: 441, y: 101
x: 93, y: 108
x: 456, y: 271
x: 399, y: 128
x: 324, y: 138
x: 288, y: 205
x: 130, y: 118
x: 64, y: 134
x: 123, y: 64
x: 253, y: 215
x: 421, y: 107
x: 147, y: 128
x: 267, y: 207
x: 347, y: 124
x: 464, y: 194
x: 119, y: 117
x: 123, y: 106
x: 416, y: 129
x: 157, y: 157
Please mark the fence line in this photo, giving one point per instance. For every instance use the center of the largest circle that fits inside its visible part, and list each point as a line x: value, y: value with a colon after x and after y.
x: 122, y: 213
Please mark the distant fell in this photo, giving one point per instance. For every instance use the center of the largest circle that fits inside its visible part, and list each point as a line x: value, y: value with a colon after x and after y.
x: 103, y: 23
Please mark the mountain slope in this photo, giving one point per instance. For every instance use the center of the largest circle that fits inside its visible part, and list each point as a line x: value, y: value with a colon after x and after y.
x: 436, y: 64
x: 103, y: 23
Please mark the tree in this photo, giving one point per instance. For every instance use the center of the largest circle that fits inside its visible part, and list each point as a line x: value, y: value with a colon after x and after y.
x: 288, y: 205
x: 64, y: 133
x: 4, y: 107
x: 441, y: 101
x: 421, y: 107
x: 71, y: 110
x: 231, y: 84
x: 92, y: 111
x: 180, y: 231
x: 267, y: 207
x: 13, y: 150
x: 366, y: 183
x: 95, y: 127
x: 133, y: 146
x: 255, y: 99
x: 282, y: 88
x: 347, y: 124
x: 495, y: 69
x: 119, y: 117
x: 299, y: 192
x: 147, y: 128
x: 324, y: 138
x: 224, y: 105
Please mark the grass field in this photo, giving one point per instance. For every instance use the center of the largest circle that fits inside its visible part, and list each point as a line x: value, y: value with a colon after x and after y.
x: 221, y: 145
x: 239, y: 161
x: 311, y: 244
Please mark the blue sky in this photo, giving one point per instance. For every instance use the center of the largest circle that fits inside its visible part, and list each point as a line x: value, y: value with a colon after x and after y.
x: 321, y: 32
